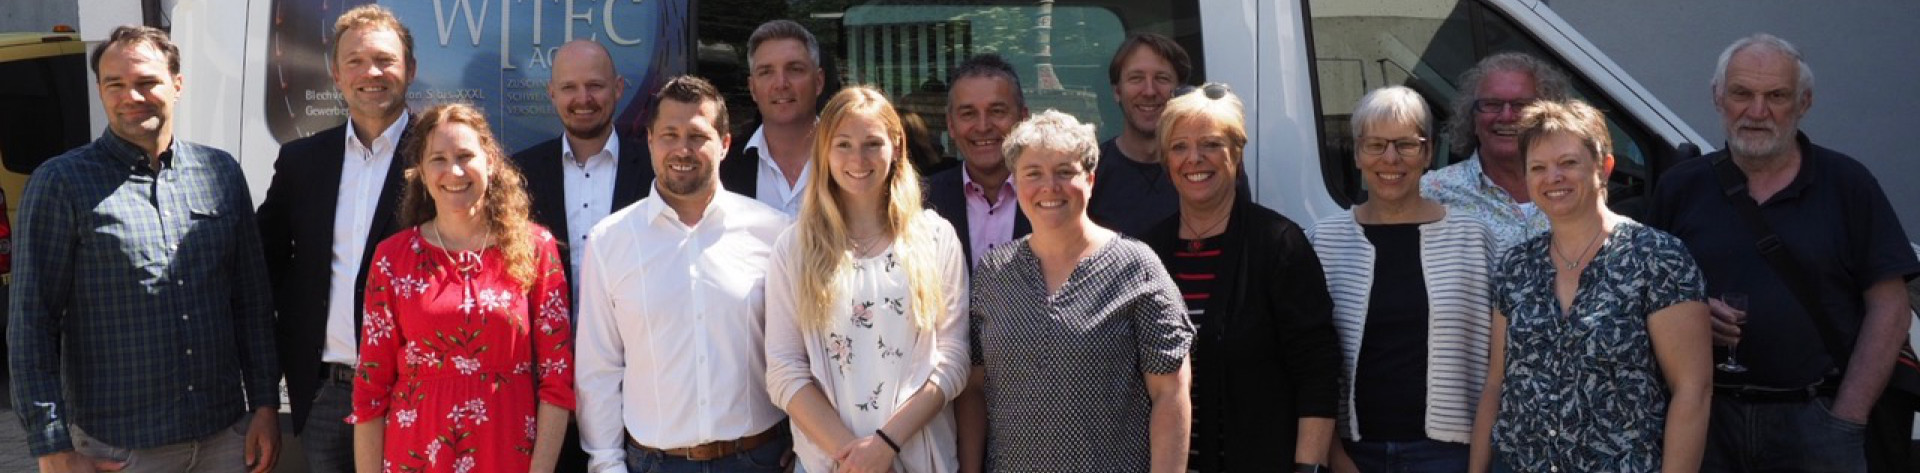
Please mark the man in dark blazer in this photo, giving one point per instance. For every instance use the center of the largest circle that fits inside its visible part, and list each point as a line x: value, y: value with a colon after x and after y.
x: 590, y: 171
x: 983, y: 105
x: 333, y: 198
x: 587, y: 172
x: 785, y: 79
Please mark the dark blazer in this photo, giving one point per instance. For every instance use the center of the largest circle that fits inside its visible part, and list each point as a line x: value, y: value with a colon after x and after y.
x: 541, y: 166
x: 740, y: 172
x: 946, y: 195
x: 296, y: 232
x: 1268, y: 351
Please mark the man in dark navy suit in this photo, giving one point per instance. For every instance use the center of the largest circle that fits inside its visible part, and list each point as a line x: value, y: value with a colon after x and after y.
x: 983, y: 104
x: 587, y: 172
x: 784, y: 76
x: 331, y: 201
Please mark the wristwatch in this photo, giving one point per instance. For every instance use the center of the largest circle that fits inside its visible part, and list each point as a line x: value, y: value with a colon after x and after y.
x: 1310, y: 468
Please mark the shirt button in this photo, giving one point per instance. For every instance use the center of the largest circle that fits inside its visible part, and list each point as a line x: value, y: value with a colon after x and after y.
x: 1551, y: 432
x: 189, y: 351
x: 189, y: 387
x: 1553, y: 468
x: 183, y: 316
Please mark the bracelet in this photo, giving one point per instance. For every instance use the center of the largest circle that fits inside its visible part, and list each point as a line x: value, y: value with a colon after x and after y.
x: 888, y: 440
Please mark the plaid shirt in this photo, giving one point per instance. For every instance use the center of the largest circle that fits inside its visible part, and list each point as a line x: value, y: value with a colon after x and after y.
x: 140, y: 298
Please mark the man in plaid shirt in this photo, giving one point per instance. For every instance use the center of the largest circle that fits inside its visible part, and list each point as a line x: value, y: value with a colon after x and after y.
x: 141, y: 326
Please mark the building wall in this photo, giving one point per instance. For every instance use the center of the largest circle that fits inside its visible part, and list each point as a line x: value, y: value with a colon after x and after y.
x: 1861, y: 51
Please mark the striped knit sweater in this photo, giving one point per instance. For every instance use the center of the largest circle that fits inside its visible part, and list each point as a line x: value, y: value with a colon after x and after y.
x: 1455, y: 254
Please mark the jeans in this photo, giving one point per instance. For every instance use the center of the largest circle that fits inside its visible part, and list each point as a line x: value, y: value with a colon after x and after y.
x: 220, y: 452
x: 327, y: 438
x: 1418, y: 456
x: 763, y: 459
x: 1745, y: 436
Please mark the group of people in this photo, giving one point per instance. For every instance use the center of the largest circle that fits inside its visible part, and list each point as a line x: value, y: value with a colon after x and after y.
x: 804, y: 298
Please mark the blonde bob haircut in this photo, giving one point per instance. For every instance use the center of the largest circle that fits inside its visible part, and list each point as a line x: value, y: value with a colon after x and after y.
x: 1572, y: 117
x: 825, y: 246
x: 1212, y: 103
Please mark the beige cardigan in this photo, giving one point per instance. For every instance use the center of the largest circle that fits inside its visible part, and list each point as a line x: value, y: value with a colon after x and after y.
x: 796, y: 357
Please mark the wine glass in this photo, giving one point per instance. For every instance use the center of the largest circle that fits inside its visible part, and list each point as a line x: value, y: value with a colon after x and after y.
x: 1738, y: 302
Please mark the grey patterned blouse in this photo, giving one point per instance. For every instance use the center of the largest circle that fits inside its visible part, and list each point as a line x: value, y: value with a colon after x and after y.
x: 1065, y: 387
x: 1583, y: 391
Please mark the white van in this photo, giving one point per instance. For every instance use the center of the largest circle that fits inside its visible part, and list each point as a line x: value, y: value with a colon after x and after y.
x: 256, y: 73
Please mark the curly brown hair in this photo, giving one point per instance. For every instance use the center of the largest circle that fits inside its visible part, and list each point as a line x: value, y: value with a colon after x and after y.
x: 506, y: 199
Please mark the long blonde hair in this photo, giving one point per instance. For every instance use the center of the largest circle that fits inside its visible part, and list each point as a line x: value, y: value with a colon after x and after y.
x: 506, y: 202
x: 822, y: 228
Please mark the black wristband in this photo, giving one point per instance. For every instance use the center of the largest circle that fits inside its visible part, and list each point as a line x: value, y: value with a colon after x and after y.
x: 1310, y: 468
x: 888, y: 440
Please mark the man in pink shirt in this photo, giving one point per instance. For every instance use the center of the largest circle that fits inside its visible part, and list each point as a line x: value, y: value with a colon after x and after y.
x: 983, y: 103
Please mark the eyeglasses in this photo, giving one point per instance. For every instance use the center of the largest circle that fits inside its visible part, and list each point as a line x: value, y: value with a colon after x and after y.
x: 1406, y: 148
x: 1497, y: 106
x: 1213, y: 90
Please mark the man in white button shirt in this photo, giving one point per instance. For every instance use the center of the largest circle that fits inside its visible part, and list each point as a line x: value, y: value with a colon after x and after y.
x: 331, y: 201
x: 671, y: 368
x: 784, y: 76
x: 587, y: 172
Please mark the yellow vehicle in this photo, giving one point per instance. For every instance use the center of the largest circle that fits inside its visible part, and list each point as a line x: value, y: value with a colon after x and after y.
x: 43, y: 104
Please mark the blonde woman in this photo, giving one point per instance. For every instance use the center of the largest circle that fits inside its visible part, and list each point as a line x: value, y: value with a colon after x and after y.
x: 865, y: 304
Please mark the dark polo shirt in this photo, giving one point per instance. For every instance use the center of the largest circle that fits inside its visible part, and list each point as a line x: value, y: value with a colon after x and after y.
x: 1833, y: 218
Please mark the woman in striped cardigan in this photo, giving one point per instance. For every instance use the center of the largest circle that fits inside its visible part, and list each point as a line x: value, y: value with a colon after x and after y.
x: 1410, y: 287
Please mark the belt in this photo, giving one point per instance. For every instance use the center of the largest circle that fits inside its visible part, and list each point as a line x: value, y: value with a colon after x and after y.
x: 337, y: 373
x: 716, y: 450
x: 1757, y: 394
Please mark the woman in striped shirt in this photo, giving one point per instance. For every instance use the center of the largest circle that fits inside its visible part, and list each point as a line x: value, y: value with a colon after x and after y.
x: 1410, y: 301
x: 1264, y: 362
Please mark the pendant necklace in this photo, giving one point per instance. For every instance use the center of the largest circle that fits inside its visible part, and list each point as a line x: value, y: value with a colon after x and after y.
x: 1199, y: 237
x: 1575, y: 260
x: 466, y: 264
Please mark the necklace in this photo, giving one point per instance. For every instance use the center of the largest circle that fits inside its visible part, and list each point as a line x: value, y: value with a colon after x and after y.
x: 1575, y: 260
x: 466, y: 264
x: 1200, y: 237
x: 862, y: 244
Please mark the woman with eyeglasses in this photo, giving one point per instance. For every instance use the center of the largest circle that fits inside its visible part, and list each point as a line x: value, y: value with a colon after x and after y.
x: 1264, y: 361
x: 1410, y: 284
x: 1601, y: 357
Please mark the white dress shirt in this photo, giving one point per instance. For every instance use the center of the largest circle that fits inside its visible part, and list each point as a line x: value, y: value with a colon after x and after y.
x: 671, y: 326
x: 771, y: 186
x: 589, y: 191
x: 362, y: 174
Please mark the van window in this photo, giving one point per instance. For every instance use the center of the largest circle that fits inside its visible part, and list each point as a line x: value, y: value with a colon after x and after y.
x: 1426, y: 45
x: 908, y: 50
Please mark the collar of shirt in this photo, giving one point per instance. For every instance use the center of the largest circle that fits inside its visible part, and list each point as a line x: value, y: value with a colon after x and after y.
x: 130, y: 154
x: 654, y: 209
x: 759, y: 141
x: 383, y: 145
x: 611, y: 150
x: 974, y: 191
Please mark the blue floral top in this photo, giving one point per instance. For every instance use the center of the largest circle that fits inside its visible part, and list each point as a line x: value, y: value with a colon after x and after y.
x: 1583, y: 391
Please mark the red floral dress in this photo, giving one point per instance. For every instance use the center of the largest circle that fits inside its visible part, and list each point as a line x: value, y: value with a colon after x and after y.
x: 457, y: 357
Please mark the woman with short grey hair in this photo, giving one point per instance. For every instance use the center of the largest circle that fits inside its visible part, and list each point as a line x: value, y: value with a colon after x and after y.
x: 1411, y: 301
x: 1080, y: 336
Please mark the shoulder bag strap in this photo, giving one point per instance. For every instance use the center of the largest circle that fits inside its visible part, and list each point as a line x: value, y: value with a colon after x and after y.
x: 1733, y: 186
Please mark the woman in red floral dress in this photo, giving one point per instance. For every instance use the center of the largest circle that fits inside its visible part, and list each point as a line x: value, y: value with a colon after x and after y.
x: 465, y: 359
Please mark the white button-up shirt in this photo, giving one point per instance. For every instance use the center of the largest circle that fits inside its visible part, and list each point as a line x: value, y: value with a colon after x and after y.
x: 672, y: 323
x: 589, y: 191
x: 362, y: 174
x: 771, y: 186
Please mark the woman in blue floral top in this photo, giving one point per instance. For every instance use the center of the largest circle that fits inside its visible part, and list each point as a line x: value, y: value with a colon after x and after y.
x: 1600, y: 358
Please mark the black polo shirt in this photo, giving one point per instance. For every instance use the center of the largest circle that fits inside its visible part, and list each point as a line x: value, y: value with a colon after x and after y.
x: 1833, y: 218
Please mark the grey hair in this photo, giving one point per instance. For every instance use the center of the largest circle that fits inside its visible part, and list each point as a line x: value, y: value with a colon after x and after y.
x: 1054, y: 131
x: 1770, y: 43
x: 782, y: 29
x: 1392, y: 104
x: 1548, y: 84
x: 988, y: 65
